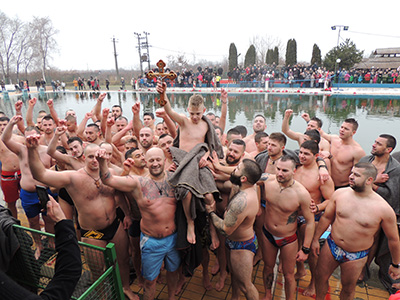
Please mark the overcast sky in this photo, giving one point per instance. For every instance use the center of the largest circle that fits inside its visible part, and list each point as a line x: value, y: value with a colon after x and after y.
x: 203, y: 29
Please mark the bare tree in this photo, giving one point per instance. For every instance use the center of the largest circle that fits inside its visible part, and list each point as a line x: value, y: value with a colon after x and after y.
x: 262, y: 44
x: 43, y: 33
x: 23, y: 46
x: 10, y: 35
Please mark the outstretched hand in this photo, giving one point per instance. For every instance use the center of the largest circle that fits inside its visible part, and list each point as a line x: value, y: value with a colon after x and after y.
x: 54, y: 210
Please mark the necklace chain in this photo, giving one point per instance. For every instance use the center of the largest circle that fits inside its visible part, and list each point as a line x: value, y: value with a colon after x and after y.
x: 97, y: 182
x: 159, y: 189
x: 286, y: 187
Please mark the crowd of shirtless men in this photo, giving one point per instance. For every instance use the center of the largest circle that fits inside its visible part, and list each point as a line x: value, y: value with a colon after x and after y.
x: 112, y: 176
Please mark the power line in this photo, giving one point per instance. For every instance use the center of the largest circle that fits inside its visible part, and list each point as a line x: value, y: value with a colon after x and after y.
x: 376, y: 34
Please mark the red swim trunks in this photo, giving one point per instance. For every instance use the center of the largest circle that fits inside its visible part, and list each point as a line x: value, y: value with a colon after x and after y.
x: 10, y: 185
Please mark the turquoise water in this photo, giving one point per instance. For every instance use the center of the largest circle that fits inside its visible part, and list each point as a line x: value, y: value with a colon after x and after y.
x: 375, y: 114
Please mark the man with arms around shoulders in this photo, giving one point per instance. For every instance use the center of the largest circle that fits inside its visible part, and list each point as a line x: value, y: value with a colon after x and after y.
x: 157, y: 205
x: 237, y: 226
x: 285, y: 198
x: 356, y: 214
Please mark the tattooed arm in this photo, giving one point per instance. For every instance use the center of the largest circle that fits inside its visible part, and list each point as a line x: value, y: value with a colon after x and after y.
x: 233, y: 216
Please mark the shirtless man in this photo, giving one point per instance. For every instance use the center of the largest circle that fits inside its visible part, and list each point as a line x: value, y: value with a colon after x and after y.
x: 10, y: 172
x: 48, y: 127
x: 165, y: 141
x: 92, y: 134
x: 28, y: 195
x: 356, y: 213
x: 299, y: 137
x: 308, y: 175
x: 261, y: 141
x: 259, y: 125
x: 146, y: 139
x: 346, y: 152
x: 157, y: 205
x: 137, y: 166
x: 95, y: 203
x: 73, y: 161
x: 234, y: 156
x: 237, y: 226
x: 285, y: 199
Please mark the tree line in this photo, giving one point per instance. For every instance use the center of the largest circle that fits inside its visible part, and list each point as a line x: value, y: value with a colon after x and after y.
x: 25, y: 46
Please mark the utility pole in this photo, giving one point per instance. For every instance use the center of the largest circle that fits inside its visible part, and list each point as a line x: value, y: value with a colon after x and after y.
x: 143, y: 49
x: 146, y: 46
x: 138, y: 35
x: 115, y: 55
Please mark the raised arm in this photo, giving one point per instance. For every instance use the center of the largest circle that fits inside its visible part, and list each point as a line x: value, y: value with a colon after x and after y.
x: 178, y: 118
x: 123, y: 184
x: 160, y: 112
x: 97, y: 106
x: 224, y: 109
x: 297, y: 136
x: 18, y: 112
x: 29, y: 112
x: 116, y: 138
x: 137, y: 123
x: 53, y: 112
x: 39, y: 172
x: 51, y: 148
x: 82, y: 125
x: 7, y: 139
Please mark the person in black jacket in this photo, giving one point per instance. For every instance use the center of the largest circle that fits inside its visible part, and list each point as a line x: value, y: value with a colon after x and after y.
x: 68, y: 267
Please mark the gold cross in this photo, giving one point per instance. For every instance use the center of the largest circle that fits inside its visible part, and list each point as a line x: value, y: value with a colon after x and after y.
x: 160, y: 75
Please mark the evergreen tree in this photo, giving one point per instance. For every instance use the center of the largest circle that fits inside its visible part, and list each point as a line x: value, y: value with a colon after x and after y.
x: 250, y: 58
x: 347, y: 52
x: 269, y: 58
x: 276, y: 56
x: 291, y: 52
x: 233, y: 59
x: 316, y: 56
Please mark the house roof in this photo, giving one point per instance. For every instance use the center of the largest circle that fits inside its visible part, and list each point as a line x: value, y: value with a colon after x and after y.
x: 384, y: 58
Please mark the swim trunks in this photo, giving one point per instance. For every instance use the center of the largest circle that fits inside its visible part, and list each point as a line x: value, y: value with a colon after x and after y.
x: 279, y: 242
x: 341, y: 255
x: 156, y: 251
x: 30, y: 203
x: 105, y: 234
x: 134, y: 229
x: 251, y: 244
x: 10, y: 185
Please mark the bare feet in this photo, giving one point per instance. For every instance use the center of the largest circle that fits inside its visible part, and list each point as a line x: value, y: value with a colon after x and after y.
x: 180, y: 285
x: 221, y: 281
x: 300, y: 274
x: 206, y: 281
x: 310, y: 290
x: 130, y: 295
x: 190, y: 235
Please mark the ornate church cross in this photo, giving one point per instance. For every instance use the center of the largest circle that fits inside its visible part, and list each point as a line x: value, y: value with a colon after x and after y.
x: 160, y: 75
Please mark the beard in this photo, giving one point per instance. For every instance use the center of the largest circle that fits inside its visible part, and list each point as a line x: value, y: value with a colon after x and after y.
x: 235, y: 179
x: 231, y: 161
